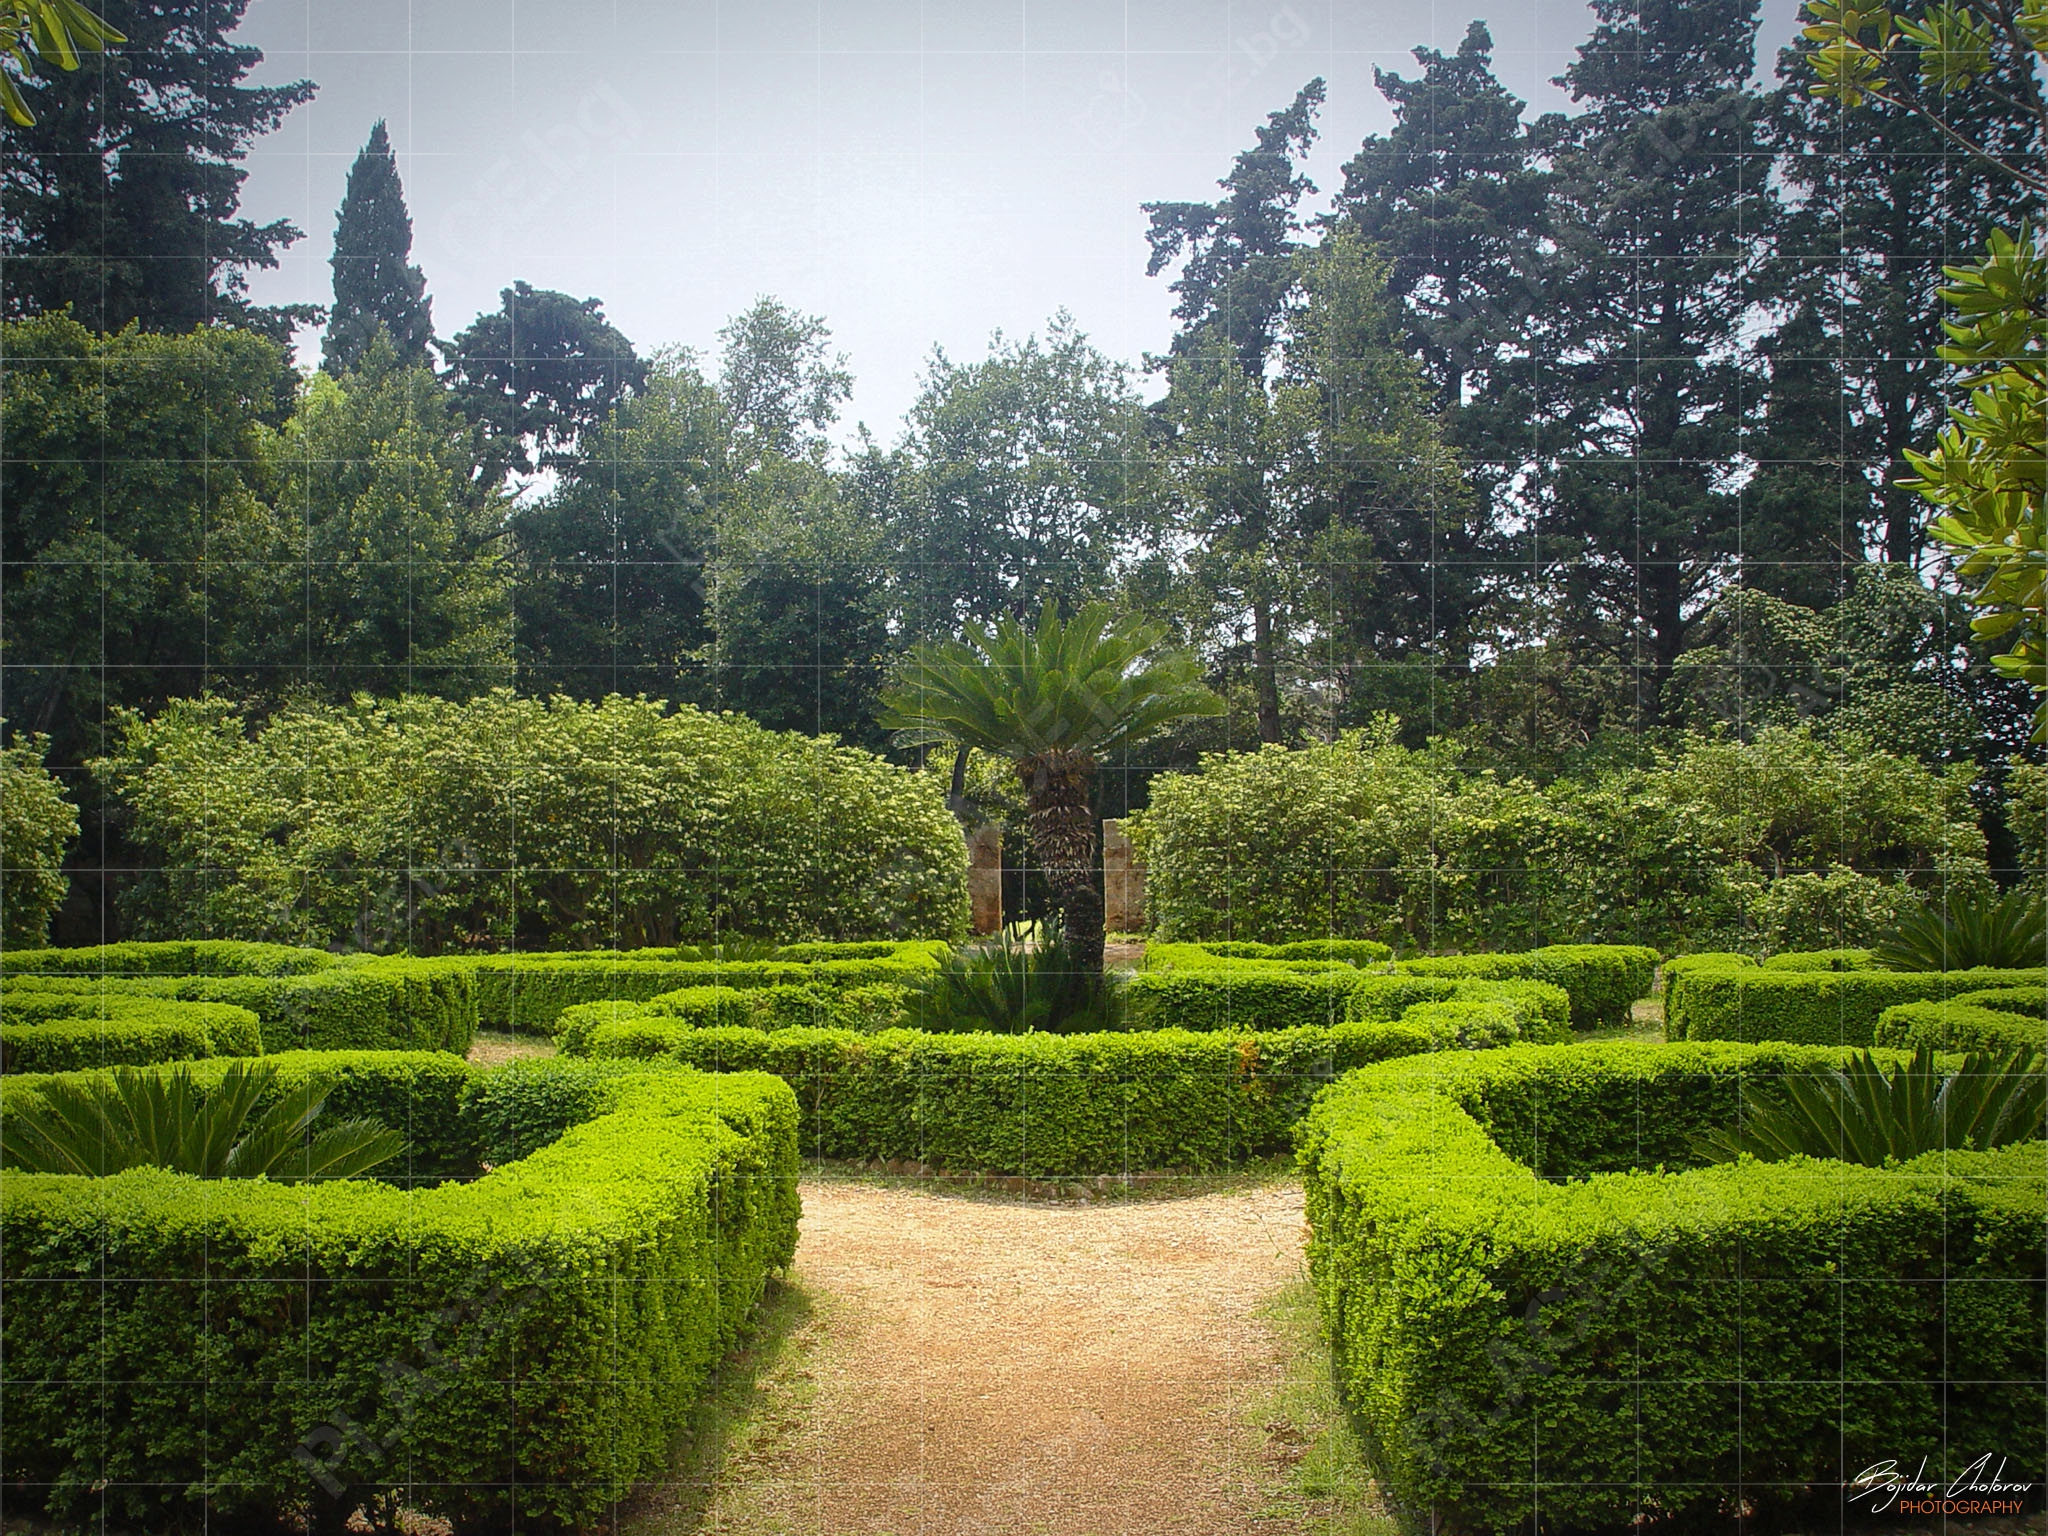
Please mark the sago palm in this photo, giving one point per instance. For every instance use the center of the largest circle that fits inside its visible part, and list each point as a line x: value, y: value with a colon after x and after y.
x: 132, y: 1119
x: 1862, y: 1113
x: 1054, y: 698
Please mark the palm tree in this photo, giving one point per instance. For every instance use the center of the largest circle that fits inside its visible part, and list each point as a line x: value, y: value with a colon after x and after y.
x: 1053, y: 700
x: 130, y: 1119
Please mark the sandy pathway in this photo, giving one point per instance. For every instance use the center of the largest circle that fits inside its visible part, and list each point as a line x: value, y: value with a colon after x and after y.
x: 1013, y: 1367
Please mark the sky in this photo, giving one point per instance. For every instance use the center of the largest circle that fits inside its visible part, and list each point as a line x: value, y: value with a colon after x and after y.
x: 919, y: 174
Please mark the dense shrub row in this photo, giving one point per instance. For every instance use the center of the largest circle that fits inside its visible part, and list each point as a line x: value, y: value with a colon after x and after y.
x: 1783, y: 841
x: 1729, y: 998
x: 521, y: 1346
x: 529, y: 991
x: 63, y: 1032
x: 1601, y: 981
x: 305, y: 999
x: 1040, y: 1105
x: 1997, y: 1020
x: 1604, y: 1344
x: 432, y: 825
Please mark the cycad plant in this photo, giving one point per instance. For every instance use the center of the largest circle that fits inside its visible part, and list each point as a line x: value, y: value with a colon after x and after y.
x: 131, y: 1119
x: 1054, y: 698
x: 1013, y: 985
x: 1864, y: 1113
x: 2009, y: 932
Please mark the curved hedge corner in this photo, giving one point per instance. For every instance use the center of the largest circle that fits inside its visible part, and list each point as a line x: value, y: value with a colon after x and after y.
x: 1046, y: 1106
x: 1746, y: 1002
x: 1535, y: 1324
x: 523, y: 1344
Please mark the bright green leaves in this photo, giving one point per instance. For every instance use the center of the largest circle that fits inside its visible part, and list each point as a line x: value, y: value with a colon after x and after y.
x: 1988, y: 471
x: 130, y: 1119
x: 1081, y: 685
x: 1864, y: 1113
x: 51, y: 31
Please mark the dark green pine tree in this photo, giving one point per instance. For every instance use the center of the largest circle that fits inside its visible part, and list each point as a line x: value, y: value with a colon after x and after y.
x: 1641, y: 383
x: 1237, y: 254
x: 1453, y: 199
x: 374, y: 285
x: 122, y: 199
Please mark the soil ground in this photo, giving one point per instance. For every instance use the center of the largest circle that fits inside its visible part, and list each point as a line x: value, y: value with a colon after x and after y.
x: 943, y: 1363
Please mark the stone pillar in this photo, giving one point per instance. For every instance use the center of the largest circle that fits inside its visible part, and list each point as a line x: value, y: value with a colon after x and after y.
x: 985, y: 878
x: 1123, y: 882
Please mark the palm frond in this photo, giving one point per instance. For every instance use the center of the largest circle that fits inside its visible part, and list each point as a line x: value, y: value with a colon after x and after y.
x: 2008, y: 932
x: 1865, y: 1113
x: 1080, y: 685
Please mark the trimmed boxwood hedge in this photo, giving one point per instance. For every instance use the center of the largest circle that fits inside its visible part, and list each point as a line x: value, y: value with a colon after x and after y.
x: 1042, y: 1105
x: 95, y: 1032
x: 1822, y: 960
x: 523, y: 1345
x: 1957, y: 1025
x: 1603, y: 980
x: 373, y: 1003
x: 529, y: 992
x: 1807, y: 1007
x: 177, y: 957
x: 1534, y: 1326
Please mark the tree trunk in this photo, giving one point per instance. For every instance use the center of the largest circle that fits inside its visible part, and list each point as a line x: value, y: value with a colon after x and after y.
x: 1265, y: 671
x: 1063, y: 836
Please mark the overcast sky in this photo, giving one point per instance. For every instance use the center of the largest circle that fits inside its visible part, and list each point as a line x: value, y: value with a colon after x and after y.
x: 915, y: 173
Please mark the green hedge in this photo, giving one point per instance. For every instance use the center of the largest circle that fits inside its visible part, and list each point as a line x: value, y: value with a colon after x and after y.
x: 128, y: 1032
x: 371, y: 1003
x: 418, y: 1093
x: 1241, y: 997
x: 1041, y: 1105
x: 1958, y: 1026
x: 191, y: 957
x: 529, y: 992
x: 1603, y: 980
x: 1251, y: 959
x: 525, y: 1343
x: 1534, y: 1326
x: 865, y: 1009
x: 1822, y: 960
x: 1808, y: 1007
x: 2030, y: 1000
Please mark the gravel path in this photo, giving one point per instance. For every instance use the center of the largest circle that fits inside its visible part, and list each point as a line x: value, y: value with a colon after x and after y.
x: 992, y: 1367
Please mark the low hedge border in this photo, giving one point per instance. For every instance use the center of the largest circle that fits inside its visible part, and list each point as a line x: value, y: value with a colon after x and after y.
x: 1955, y: 1025
x: 529, y: 992
x: 177, y: 957
x: 1302, y: 954
x: 1037, y: 1105
x: 128, y: 1032
x: 1533, y: 1327
x: 372, y: 1003
x: 1603, y: 980
x: 1822, y: 960
x: 523, y: 1344
x: 1750, y: 1003
x: 863, y: 1009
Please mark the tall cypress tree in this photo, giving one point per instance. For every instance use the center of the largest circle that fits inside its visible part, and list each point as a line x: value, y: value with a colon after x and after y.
x: 121, y: 200
x: 374, y: 285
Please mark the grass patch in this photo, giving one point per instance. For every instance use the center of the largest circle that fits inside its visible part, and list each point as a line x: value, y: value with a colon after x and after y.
x: 1314, y: 1465
x: 495, y: 1047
